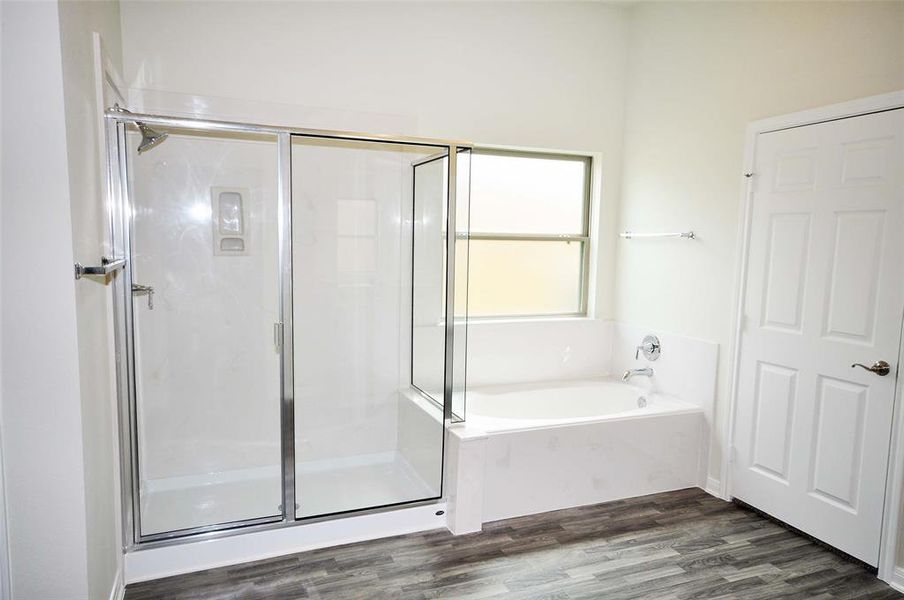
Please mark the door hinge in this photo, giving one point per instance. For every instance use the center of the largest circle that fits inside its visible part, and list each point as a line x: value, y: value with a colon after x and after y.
x: 752, y: 181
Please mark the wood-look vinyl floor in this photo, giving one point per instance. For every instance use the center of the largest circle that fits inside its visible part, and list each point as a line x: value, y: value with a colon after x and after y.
x: 678, y: 545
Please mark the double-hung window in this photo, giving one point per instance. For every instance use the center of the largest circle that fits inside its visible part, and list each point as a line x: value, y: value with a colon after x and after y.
x: 529, y: 234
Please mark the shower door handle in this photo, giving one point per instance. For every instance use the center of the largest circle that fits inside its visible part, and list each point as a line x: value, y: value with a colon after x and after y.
x: 277, y: 335
x: 144, y: 290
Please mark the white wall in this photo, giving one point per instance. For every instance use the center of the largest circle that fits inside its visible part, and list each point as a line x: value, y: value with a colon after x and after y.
x: 42, y: 435
x: 699, y: 72
x: 548, y: 75
x: 78, y: 21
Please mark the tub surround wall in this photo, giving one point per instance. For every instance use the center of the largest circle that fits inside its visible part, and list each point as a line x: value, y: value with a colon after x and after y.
x: 686, y: 368
x: 531, y: 350
x: 520, y: 351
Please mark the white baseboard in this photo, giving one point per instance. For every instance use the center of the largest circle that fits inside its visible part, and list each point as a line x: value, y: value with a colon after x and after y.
x: 897, y: 579
x: 714, y: 488
x: 118, y: 590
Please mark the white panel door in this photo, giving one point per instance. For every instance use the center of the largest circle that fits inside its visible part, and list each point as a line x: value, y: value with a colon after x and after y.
x: 825, y: 289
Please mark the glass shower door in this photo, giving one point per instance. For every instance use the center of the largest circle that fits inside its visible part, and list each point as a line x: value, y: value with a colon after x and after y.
x: 430, y: 310
x: 205, y: 286
x: 364, y: 436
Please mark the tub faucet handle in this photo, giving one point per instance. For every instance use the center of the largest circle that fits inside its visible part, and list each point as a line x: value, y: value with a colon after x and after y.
x: 650, y: 348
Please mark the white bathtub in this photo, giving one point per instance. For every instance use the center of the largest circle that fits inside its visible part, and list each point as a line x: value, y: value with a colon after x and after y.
x: 536, y: 405
x: 531, y: 448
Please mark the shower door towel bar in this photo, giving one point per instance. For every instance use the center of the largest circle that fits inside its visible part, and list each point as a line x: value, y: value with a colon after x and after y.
x: 689, y: 235
x: 107, y: 266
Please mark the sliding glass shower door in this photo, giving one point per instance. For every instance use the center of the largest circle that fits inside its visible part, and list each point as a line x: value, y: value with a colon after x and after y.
x: 364, y: 436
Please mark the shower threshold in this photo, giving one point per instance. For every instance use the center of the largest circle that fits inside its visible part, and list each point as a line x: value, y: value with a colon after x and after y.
x: 323, y: 487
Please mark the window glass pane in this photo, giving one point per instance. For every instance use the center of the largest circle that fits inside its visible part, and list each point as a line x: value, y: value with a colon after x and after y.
x: 513, y: 278
x: 526, y: 194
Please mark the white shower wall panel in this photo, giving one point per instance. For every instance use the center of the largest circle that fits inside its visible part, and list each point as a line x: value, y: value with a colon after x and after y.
x: 352, y: 260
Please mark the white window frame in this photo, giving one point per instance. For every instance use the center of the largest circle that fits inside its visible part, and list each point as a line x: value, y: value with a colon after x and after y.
x: 584, y: 238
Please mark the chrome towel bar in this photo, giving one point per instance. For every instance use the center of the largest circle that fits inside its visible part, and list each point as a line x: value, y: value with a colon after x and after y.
x: 690, y: 235
x: 107, y: 266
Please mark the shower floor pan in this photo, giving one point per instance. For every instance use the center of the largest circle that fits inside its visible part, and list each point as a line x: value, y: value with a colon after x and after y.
x: 323, y: 487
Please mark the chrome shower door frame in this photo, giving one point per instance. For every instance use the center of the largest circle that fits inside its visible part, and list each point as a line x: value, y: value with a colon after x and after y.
x: 121, y: 222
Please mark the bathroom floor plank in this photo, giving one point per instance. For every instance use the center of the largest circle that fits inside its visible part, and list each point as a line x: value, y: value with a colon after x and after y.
x: 682, y: 545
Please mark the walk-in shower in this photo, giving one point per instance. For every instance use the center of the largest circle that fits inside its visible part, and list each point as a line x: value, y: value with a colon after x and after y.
x: 287, y: 346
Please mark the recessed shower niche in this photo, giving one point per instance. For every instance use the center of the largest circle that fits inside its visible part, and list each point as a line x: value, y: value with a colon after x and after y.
x: 273, y: 379
x: 230, y: 230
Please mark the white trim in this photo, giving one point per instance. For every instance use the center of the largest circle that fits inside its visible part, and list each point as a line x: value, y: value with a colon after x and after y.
x: 118, y: 591
x: 594, y: 246
x: 590, y: 250
x: 893, y: 100
x: 5, y: 571
x: 891, y: 518
x: 843, y: 110
x: 896, y: 581
x: 714, y: 488
x: 154, y: 563
x: 106, y: 75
